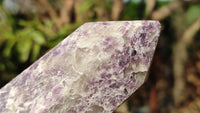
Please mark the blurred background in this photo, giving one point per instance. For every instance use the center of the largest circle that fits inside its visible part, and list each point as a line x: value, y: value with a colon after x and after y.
x: 30, y: 28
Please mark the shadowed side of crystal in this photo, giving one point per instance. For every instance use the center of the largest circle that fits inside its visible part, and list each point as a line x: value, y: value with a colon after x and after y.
x: 93, y: 70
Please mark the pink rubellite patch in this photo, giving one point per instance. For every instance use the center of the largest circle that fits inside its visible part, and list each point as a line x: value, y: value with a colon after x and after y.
x: 93, y: 70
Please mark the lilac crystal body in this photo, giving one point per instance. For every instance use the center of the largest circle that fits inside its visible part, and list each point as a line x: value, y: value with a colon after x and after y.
x: 93, y: 70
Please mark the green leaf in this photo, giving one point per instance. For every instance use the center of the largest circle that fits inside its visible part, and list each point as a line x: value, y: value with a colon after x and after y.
x: 193, y: 13
x: 35, y: 52
x: 38, y: 37
x: 8, y: 49
x: 47, y: 29
x: 2, y: 67
x: 86, y: 5
x: 23, y: 49
x: 24, y: 34
x: 9, y: 35
x: 30, y: 23
x: 69, y: 28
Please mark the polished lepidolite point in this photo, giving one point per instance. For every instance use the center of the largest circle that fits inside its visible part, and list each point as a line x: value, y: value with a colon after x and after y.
x: 93, y: 70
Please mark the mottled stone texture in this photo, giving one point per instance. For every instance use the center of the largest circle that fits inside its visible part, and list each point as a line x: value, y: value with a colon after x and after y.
x: 93, y: 70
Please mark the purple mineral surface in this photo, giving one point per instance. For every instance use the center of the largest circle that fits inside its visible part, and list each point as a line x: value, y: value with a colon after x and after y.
x: 93, y: 70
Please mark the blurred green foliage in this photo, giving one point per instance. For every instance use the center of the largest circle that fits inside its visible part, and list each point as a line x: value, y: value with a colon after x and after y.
x: 131, y: 11
x: 192, y: 13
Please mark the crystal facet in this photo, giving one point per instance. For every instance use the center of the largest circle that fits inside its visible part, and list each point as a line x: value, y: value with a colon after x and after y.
x: 93, y: 70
